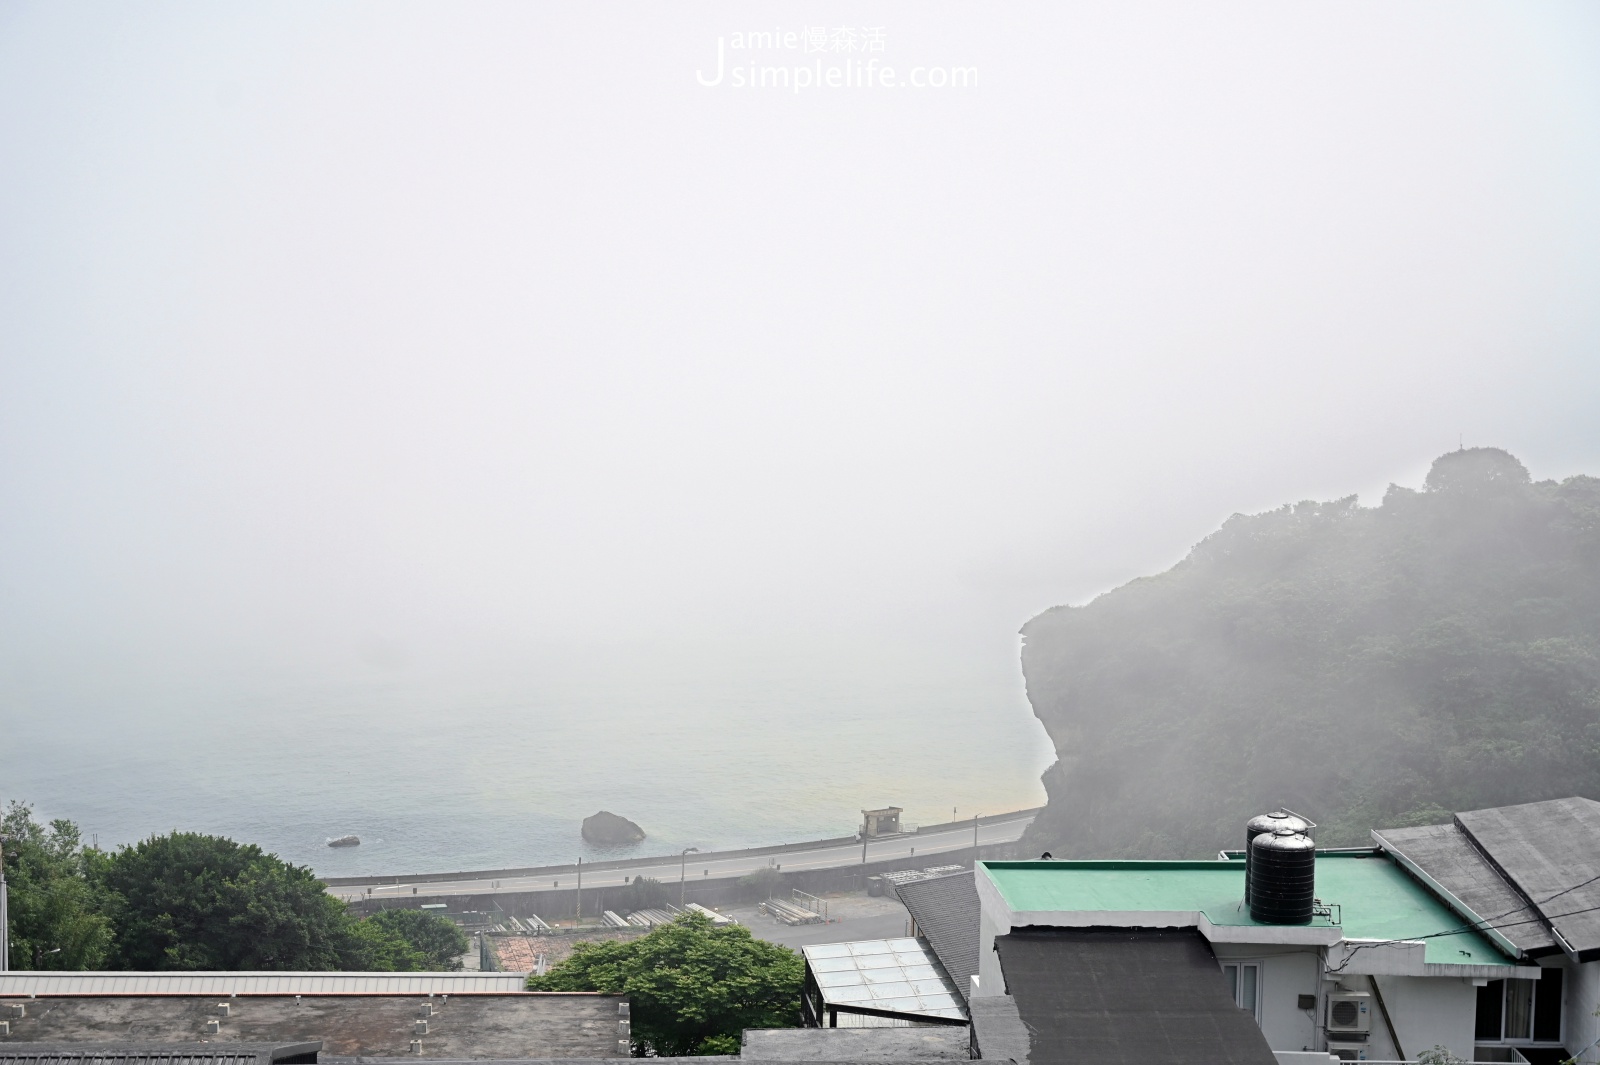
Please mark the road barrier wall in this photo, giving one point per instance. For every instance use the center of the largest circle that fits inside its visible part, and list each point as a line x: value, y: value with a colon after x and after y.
x: 559, y: 871
x: 554, y: 904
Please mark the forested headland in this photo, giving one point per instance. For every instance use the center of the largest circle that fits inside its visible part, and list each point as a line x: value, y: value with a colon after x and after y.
x: 1365, y: 666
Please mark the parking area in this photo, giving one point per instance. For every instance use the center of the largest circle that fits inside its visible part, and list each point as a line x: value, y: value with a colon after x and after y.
x: 853, y: 915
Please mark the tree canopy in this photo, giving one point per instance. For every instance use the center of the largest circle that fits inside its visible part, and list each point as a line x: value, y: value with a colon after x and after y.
x: 438, y: 941
x: 644, y: 893
x: 59, y: 916
x: 694, y: 987
x: 192, y: 901
x: 1366, y: 666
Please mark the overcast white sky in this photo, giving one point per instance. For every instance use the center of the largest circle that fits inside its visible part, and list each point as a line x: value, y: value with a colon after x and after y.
x: 340, y: 336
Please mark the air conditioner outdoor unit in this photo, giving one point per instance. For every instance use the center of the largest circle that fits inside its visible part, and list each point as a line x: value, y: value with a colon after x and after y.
x: 1347, y: 1051
x: 1349, y: 1013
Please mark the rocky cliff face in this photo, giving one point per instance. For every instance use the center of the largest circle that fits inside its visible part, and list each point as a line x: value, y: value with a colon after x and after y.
x: 1364, y: 666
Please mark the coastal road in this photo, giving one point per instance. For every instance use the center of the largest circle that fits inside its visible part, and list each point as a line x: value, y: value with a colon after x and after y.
x: 713, y: 865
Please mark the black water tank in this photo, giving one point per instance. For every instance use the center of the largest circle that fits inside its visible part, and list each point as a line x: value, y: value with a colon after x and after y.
x: 1283, y: 877
x: 1268, y: 823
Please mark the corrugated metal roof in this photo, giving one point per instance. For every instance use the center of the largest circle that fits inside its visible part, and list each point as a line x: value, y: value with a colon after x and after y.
x: 886, y: 974
x: 134, y: 1053
x: 112, y: 1056
x: 250, y: 983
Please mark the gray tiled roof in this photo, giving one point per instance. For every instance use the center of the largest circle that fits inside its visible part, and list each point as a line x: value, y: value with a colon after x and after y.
x: 1443, y: 857
x: 1551, y: 852
x: 1530, y: 872
x: 946, y: 911
x: 1153, y: 996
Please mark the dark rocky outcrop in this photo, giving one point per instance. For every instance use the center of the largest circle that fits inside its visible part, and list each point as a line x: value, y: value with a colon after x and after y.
x: 606, y: 829
x: 1365, y: 666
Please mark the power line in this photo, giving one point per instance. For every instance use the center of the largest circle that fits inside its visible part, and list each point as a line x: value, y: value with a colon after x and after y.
x: 1486, y: 924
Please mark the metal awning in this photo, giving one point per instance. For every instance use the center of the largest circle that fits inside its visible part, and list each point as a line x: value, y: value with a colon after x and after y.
x: 883, y: 977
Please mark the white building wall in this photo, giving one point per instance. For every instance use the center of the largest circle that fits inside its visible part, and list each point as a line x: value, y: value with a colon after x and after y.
x: 991, y: 981
x: 1580, y: 1026
x: 1427, y: 1011
x: 1286, y: 974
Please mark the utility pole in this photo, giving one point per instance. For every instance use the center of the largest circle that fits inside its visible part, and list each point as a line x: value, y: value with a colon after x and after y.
x: 683, y: 860
x: 580, y: 890
x: 974, y: 841
x: 5, y: 919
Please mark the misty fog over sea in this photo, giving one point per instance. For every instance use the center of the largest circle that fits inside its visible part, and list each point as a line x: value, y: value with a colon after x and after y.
x: 438, y: 774
x: 439, y: 423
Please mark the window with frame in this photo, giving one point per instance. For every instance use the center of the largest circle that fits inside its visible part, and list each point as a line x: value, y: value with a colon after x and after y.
x: 1521, y: 1011
x: 1244, y: 981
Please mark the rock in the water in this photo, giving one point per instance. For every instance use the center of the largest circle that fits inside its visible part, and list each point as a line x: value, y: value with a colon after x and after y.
x: 609, y: 830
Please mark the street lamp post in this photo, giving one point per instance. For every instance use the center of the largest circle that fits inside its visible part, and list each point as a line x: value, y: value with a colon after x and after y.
x: 580, y: 890
x: 974, y: 841
x: 683, y: 861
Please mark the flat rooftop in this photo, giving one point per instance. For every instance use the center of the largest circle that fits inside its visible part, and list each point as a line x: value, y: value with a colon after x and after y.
x: 1376, y: 898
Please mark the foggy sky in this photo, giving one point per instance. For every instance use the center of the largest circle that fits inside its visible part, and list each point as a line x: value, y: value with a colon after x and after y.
x: 363, y: 337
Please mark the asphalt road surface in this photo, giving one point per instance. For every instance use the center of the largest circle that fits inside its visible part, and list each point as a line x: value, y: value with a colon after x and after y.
x: 931, y: 843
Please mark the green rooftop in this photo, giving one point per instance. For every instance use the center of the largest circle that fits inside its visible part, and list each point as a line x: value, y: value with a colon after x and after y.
x: 1374, y: 898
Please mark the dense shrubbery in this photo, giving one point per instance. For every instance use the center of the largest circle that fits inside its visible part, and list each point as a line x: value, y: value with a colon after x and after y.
x: 645, y: 893
x: 761, y: 884
x: 190, y: 901
x: 694, y: 987
x: 1365, y: 666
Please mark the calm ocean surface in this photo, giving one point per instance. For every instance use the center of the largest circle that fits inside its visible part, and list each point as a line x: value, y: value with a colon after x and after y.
x: 444, y: 774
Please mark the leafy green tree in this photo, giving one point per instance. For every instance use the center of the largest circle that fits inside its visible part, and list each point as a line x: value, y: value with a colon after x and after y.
x: 753, y: 887
x: 373, y: 948
x: 192, y: 901
x: 58, y: 917
x: 694, y: 986
x: 438, y: 941
x: 645, y: 893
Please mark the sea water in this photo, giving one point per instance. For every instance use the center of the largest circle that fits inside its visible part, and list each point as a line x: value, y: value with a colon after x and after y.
x: 497, y: 768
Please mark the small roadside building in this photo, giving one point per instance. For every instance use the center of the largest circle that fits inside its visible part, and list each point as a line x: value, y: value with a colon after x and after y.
x: 884, y: 822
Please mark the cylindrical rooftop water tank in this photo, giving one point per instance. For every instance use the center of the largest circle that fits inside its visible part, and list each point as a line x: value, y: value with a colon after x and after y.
x: 1283, y: 877
x: 1268, y: 823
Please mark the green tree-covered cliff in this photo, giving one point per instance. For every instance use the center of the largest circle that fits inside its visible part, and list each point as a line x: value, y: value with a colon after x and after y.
x: 1364, y: 665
